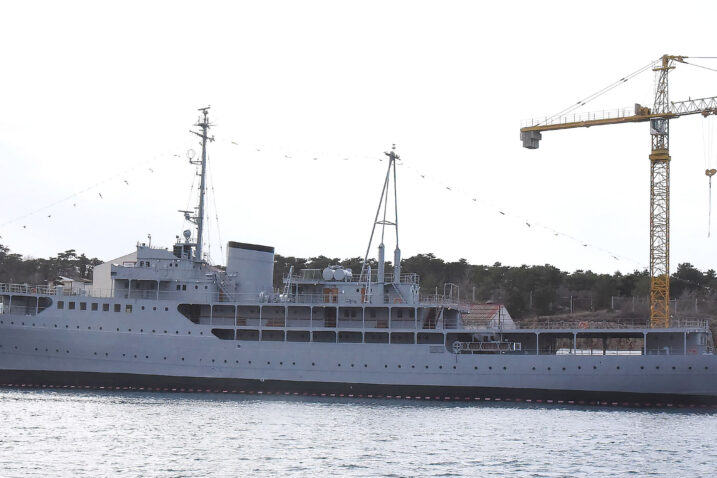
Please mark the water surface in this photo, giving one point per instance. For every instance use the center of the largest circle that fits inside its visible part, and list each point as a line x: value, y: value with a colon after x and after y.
x: 87, y: 433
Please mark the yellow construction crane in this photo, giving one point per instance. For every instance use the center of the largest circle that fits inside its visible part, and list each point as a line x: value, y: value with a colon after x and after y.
x: 659, y: 117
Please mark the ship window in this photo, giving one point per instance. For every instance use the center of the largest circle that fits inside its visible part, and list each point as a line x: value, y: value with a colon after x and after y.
x: 141, y: 263
x: 147, y: 263
x: 184, y: 286
x: 83, y: 305
x: 128, y: 308
x: 399, y: 313
x: 60, y: 304
x: 179, y: 287
x: 71, y: 305
x: 105, y: 307
x: 118, y: 307
x: 196, y: 287
x: 94, y: 306
x: 411, y: 313
x: 373, y: 313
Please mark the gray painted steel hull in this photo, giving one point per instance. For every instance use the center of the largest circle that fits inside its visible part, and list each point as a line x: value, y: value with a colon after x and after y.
x: 161, y: 349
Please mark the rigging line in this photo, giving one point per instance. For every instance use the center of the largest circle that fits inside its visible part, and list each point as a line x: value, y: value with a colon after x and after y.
x: 600, y: 92
x: 216, y: 211
x: 531, y: 223
x: 82, y: 191
x: 700, y: 66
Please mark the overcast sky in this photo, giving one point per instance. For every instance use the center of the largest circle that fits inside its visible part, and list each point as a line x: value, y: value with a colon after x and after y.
x: 97, y: 99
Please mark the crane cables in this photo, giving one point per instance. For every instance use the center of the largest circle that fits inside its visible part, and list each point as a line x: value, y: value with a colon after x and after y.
x: 708, y: 138
x: 599, y: 93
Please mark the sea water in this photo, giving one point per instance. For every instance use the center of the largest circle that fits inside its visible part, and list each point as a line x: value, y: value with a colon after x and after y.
x: 134, y: 434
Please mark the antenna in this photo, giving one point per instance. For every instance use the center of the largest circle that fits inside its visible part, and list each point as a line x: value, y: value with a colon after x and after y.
x: 204, y: 124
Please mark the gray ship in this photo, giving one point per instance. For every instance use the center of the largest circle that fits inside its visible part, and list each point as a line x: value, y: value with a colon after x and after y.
x: 167, y: 320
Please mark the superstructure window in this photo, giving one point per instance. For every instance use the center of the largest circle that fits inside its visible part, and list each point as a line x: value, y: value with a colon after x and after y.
x: 94, y: 306
x: 118, y: 307
x: 83, y: 305
x: 128, y: 308
x: 60, y: 304
x: 71, y: 305
x: 105, y: 307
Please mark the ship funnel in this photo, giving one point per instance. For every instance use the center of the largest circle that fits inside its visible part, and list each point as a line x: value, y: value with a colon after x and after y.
x: 253, y: 265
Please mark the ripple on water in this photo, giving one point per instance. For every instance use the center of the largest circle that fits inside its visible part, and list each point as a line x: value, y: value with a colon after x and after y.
x: 86, y: 433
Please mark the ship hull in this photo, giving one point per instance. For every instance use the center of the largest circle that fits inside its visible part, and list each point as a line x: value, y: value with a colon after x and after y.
x: 183, y: 384
x: 163, y: 351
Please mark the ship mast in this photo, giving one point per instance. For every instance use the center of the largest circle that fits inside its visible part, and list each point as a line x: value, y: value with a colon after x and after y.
x: 204, y: 124
x: 383, y: 205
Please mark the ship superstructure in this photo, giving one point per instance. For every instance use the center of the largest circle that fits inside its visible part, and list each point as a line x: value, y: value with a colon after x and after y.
x: 166, y: 319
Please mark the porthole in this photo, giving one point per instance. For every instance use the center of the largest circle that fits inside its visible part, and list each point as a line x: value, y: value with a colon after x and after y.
x: 706, y: 368
x: 249, y: 362
x: 413, y: 366
x: 579, y: 367
x: 673, y: 367
x: 212, y: 360
x: 282, y: 363
x: 135, y: 356
x: 152, y: 330
x: 141, y: 331
x: 294, y: 363
x: 618, y: 367
x: 182, y: 358
x: 313, y: 364
x: 385, y: 366
x: 426, y: 366
x: 642, y: 367
x: 454, y: 367
x: 440, y: 366
x: 506, y: 368
x: 352, y: 365
x: 176, y: 331
x: 689, y: 368
x: 548, y: 368
x: 146, y: 356
x: 399, y: 366
x: 594, y: 367
x: 268, y: 363
x: 365, y: 365
x: 339, y: 365
x: 657, y: 367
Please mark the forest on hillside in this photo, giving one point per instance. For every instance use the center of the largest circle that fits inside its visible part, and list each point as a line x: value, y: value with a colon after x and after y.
x: 525, y: 290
